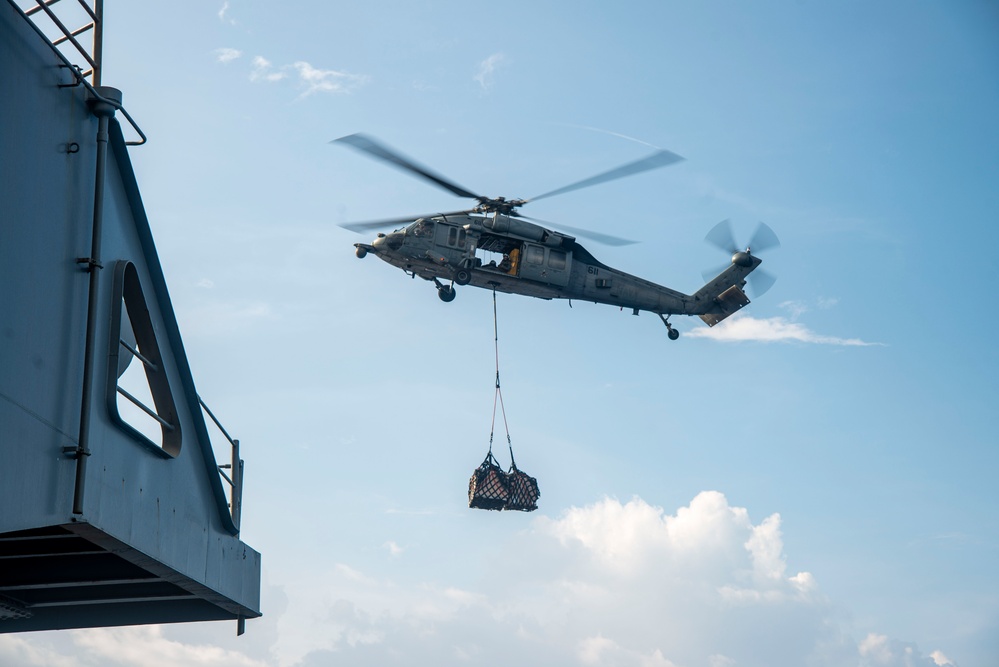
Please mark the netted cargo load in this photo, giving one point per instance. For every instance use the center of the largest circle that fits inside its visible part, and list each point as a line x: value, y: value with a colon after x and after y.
x: 524, y: 492
x: 488, y: 488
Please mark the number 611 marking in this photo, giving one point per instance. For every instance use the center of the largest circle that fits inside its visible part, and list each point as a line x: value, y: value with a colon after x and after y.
x: 592, y: 270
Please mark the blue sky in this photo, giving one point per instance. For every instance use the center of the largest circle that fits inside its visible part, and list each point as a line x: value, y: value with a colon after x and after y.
x: 812, y: 482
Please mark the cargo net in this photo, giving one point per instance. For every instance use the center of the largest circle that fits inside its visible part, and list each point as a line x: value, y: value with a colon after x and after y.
x: 490, y: 488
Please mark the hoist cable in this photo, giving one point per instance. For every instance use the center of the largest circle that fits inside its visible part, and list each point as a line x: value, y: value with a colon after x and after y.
x: 498, y: 396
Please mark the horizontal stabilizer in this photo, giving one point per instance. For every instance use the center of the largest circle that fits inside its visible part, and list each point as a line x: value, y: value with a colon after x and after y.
x: 728, y: 302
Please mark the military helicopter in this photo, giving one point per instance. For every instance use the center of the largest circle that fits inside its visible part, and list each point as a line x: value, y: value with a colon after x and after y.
x: 453, y: 249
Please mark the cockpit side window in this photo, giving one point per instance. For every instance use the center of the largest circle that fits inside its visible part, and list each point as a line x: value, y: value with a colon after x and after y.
x: 422, y: 227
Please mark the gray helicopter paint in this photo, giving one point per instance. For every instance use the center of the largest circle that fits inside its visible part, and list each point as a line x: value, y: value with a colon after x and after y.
x: 537, y: 261
x: 431, y: 257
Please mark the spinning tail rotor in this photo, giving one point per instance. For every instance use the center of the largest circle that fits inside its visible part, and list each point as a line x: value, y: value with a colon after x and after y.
x: 763, y: 239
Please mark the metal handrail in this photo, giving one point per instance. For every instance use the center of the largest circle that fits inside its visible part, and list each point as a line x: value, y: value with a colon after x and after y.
x: 43, y: 5
x: 236, y: 467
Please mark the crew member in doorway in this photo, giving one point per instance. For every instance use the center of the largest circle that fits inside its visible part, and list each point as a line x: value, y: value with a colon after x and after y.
x: 509, y: 263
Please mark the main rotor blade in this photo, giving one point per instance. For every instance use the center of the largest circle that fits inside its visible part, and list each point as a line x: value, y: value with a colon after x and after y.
x: 368, y: 145
x: 654, y: 161
x: 721, y: 236
x: 606, y: 239
x: 393, y: 222
x: 763, y: 239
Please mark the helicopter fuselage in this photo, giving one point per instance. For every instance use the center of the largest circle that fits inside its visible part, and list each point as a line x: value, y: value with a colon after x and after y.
x: 534, y: 261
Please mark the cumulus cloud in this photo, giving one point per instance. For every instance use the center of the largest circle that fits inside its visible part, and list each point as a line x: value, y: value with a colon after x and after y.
x: 622, y: 583
x: 771, y: 330
x: 484, y: 75
x: 879, y: 651
x: 609, y: 583
x: 143, y: 646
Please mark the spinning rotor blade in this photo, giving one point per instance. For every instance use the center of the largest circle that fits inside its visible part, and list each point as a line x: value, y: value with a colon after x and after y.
x: 606, y: 239
x: 393, y: 222
x: 721, y: 237
x: 763, y: 239
x: 368, y: 145
x: 760, y: 281
x: 654, y: 161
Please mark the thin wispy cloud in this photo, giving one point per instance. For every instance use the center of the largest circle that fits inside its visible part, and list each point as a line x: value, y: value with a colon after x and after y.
x: 771, y: 330
x: 799, y: 308
x: 484, y: 76
x: 264, y: 71
x: 310, y: 79
x: 326, y: 80
x: 226, y: 55
x: 223, y: 14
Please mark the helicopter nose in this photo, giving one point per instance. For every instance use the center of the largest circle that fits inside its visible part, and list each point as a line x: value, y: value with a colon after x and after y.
x: 393, y: 240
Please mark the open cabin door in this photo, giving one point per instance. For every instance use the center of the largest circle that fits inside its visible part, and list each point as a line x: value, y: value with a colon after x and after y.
x: 546, y: 265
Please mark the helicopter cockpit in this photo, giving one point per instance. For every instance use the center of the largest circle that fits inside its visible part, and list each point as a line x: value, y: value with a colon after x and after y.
x: 423, y: 227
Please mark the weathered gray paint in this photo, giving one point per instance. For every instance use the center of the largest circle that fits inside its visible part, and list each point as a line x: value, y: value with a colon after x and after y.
x: 168, y: 515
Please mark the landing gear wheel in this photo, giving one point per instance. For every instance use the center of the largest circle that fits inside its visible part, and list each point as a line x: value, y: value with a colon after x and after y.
x: 361, y: 252
x: 446, y: 293
x: 673, y: 334
x: 462, y: 277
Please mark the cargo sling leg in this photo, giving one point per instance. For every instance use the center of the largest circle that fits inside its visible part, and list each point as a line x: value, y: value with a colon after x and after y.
x: 490, y: 487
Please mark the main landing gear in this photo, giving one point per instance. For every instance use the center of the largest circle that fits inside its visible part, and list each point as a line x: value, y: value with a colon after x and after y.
x: 446, y: 293
x: 670, y: 331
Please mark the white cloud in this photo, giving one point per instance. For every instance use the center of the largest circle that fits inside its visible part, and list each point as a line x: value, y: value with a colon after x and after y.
x: 226, y: 55
x: 799, y: 308
x: 941, y: 660
x: 311, y: 79
x: 770, y: 330
x: 142, y: 646
x: 877, y: 650
x: 223, y: 12
x: 609, y: 583
x: 394, y: 549
x: 263, y: 71
x: 487, y: 68
x: 326, y: 80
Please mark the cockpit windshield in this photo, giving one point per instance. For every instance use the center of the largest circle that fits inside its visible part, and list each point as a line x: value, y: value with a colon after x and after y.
x: 422, y: 227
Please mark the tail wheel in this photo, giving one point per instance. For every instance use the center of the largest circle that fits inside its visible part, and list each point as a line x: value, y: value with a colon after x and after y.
x: 673, y: 334
x: 447, y: 294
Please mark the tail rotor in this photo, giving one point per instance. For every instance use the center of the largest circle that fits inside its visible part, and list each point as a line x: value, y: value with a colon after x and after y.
x: 764, y: 238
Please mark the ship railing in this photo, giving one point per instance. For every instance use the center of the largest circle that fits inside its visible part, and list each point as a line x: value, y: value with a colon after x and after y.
x: 235, y: 468
x: 89, y: 19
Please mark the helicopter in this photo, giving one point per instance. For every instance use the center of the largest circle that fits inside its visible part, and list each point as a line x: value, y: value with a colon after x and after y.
x: 532, y: 259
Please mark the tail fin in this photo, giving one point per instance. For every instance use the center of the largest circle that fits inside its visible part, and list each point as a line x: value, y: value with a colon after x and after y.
x: 723, y: 296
